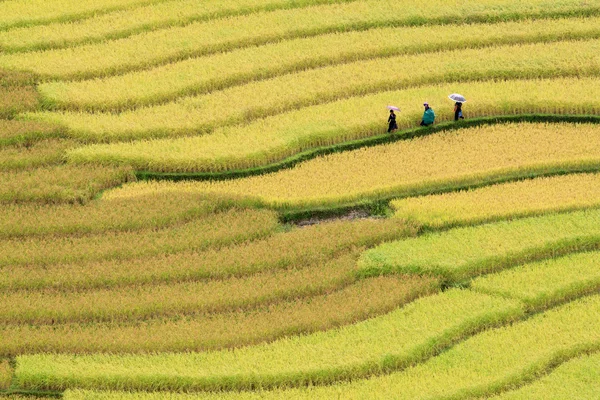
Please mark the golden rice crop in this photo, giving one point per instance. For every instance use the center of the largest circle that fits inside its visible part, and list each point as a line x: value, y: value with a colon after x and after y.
x: 285, y: 250
x: 25, y: 132
x: 39, y: 154
x: 149, y: 301
x: 462, y: 253
x: 226, y: 228
x: 359, y: 301
x: 407, y: 335
x: 486, y: 364
x: 14, y: 100
x: 146, y: 16
x: 32, y: 12
x: 207, y: 74
x: 60, y: 184
x: 6, y: 373
x: 274, y: 138
x: 543, y: 283
x: 198, y: 38
x: 441, y: 161
x: 577, y: 377
x: 506, y: 200
x: 344, y: 117
x: 125, y: 214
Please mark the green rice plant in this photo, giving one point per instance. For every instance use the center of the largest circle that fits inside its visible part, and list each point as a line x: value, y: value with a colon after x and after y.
x: 463, y: 253
x: 486, y: 364
x: 407, y: 335
x: 60, y: 184
x: 359, y: 301
x: 275, y: 138
x: 466, y: 157
x: 207, y: 74
x: 544, y: 283
x: 506, y: 200
x: 118, y: 24
x: 113, y: 215
x: 150, y: 301
x: 177, y: 43
x: 6, y: 373
x: 284, y: 250
x: 577, y: 378
x: 210, y: 231
x: 34, y: 12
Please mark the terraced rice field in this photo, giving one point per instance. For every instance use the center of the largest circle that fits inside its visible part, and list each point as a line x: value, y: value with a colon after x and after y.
x: 200, y: 200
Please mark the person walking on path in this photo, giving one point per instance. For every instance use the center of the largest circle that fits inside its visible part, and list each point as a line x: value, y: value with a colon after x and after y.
x: 392, y: 125
x: 428, y: 115
x: 458, y: 114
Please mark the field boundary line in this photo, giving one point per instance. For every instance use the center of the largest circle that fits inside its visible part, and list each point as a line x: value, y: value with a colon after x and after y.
x: 172, y: 23
x: 241, y: 79
x: 354, y: 27
x: 78, y: 17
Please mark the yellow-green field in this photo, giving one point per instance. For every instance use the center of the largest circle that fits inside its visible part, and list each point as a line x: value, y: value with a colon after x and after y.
x: 200, y: 200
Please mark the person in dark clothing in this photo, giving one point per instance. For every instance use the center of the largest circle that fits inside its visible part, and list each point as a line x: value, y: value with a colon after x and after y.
x: 392, y: 125
x: 458, y: 114
x: 428, y: 115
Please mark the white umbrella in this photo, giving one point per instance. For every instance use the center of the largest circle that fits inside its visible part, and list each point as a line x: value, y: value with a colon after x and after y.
x: 457, y: 97
x: 393, y: 108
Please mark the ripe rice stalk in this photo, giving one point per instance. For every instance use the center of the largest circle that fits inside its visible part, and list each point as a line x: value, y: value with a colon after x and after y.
x: 359, y: 301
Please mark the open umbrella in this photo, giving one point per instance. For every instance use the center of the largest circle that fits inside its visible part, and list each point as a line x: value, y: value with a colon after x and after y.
x: 393, y: 108
x: 457, y: 97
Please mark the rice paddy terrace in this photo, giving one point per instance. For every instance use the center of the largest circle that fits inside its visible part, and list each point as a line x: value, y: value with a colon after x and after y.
x: 156, y: 157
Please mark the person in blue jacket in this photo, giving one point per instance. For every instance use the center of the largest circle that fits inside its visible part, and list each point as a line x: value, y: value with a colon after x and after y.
x: 428, y: 116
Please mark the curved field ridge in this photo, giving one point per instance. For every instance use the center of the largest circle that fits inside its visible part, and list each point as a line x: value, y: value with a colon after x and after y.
x: 216, y: 72
x: 281, y: 251
x: 578, y: 377
x: 465, y: 157
x: 177, y: 43
x: 506, y: 200
x: 463, y: 253
x: 204, y: 332
x: 505, y: 356
x: 272, y: 139
x: 545, y: 283
x: 415, y: 332
x: 150, y: 16
x: 15, y: 13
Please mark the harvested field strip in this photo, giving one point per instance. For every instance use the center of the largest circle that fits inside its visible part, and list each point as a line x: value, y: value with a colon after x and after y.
x: 507, y: 200
x: 159, y: 211
x: 407, y: 335
x: 505, y: 357
x: 60, y: 184
x: 39, y: 154
x: 463, y: 253
x: 150, y: 301
x: 275, y: 138
x: 463, y: 158
x: 178, y: 43
x: 287, y: 250
x: 577, y: 377
x: 207, y: 74
x: 120, y: 24
x: 37, y: 12
x: 359, y: 301
x: 544, y: 283
x: 210, y: 231
x: 328, y: 93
